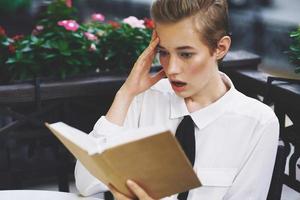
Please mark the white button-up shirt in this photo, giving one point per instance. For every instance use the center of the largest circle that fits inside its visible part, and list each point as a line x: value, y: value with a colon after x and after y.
x: 236, y: 141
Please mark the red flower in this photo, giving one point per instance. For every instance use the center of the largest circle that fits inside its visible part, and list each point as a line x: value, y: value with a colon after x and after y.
x: 69, y: 3
x: 2, y: 31
x: 149, y: 23
x: 17, y: 37
x: 11, y: 48
x: 114, y: 24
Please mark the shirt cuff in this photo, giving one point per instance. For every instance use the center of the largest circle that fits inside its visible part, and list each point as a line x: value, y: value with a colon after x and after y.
x: 103, y: 128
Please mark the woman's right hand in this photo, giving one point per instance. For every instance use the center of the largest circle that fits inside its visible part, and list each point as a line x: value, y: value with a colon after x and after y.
x: 140, y: 79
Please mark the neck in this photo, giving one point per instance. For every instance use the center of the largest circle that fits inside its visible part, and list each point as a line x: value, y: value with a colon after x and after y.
x: 214, y: 90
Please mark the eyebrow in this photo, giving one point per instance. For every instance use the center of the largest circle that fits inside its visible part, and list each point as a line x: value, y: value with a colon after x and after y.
x: 177, y: 48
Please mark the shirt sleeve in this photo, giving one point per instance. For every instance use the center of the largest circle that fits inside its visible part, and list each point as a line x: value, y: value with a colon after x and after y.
x: 86, y: 183
x: 253, y: 179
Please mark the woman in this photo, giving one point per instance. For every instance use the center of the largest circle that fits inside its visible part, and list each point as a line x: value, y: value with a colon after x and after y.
x: 235, y: 136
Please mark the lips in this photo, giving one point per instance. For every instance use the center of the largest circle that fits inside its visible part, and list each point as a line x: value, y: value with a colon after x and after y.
x: 178, y: 86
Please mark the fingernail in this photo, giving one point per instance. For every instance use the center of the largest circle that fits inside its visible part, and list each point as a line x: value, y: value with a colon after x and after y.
x: 130, y: 182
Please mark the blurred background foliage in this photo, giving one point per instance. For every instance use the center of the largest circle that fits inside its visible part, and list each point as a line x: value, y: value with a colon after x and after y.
x: 8, y: 7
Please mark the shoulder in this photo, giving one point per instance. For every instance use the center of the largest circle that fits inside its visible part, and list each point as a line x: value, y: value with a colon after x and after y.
x: 253, y: 109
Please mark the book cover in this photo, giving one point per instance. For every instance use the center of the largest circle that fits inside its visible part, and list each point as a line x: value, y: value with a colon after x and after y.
x: 151, y: 157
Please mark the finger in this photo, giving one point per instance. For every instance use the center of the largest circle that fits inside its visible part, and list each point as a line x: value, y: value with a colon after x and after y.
x: 152, y: 46
x: 117, y: 194
x: 137, y: 190
x: 154, y: 35
x: 147, y: 55
x: 158, y: 76
x: 146, y: 61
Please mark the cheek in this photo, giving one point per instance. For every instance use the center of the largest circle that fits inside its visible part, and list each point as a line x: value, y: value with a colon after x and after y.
x: 200, y: 68
x: 197, y: 66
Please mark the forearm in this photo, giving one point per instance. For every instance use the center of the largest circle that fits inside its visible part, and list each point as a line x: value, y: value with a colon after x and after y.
x: 86, y: 183
x: 120, y: 106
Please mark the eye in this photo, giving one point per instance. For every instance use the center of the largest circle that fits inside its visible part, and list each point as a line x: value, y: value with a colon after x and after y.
x: 162, y: 53
x: 186, y: 55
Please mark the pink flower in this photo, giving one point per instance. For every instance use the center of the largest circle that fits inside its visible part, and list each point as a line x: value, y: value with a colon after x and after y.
x: 39, y: 27
x: 70, y: 25
x: 90, y: 36
x: 62, y: 23
x: 134, y: 22
x: 37, y: 30
x: 98, y: 17
x: 69, y: 3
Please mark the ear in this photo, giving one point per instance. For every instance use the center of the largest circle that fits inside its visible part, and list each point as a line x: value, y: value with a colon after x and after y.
x: 223, y: 47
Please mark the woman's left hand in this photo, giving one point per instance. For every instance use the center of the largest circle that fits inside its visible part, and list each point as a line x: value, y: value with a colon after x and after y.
x: 135, y: 188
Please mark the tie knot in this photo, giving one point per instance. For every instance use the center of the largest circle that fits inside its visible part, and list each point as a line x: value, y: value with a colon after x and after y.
x: 187, y: 119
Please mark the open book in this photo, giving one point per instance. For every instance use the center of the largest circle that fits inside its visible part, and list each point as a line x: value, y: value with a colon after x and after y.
x: 151, y: 157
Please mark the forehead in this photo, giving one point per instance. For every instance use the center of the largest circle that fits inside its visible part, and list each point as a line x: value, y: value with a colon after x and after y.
x: 182, y: 33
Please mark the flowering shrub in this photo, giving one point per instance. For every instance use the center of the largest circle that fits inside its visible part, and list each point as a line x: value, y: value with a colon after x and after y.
x: 295, y: 49
x: 59, y: 45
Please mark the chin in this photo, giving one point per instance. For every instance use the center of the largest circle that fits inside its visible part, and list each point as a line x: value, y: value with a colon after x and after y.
x: 182, y: 94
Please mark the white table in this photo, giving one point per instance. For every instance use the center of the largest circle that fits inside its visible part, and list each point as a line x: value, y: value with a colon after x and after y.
x: 40, y: 195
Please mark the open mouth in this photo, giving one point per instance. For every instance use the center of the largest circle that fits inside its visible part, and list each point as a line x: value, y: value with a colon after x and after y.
x: 178, y: 83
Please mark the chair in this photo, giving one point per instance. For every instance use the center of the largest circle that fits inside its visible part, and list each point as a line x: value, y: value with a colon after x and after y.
x: 288, y: 106
x: 275, y: 189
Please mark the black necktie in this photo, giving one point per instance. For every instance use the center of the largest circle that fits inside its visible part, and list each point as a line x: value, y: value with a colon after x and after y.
x: 185, y: 135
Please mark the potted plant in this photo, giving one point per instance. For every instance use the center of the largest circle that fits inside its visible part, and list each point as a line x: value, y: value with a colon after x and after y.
x: 60, y: 46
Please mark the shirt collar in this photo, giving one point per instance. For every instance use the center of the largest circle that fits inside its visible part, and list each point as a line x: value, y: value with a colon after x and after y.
x: 206, y: 115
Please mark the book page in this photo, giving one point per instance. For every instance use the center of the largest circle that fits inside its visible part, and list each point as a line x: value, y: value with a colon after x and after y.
x: 76, y: 136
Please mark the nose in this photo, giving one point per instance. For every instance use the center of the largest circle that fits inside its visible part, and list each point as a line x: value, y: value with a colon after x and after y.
x: 173, y: 66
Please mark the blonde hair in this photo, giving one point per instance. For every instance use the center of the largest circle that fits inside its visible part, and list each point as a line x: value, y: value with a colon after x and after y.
x: 211, y: 17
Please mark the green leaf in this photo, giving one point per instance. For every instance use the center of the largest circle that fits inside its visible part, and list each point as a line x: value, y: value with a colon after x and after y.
x: 6, y: 43
x: 10, y: 61
x: 77, y: 35
x: 66, y: 53
x: 295, y: 34
x: 26, y: 49
x: 49, y: 34
x: 295, y: 48
x: 19, y: 55
x: 49, y: 56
